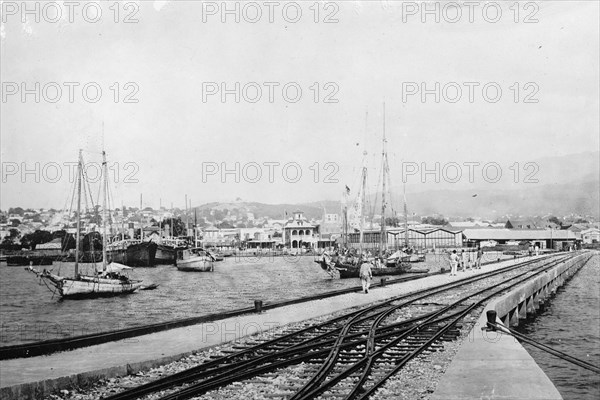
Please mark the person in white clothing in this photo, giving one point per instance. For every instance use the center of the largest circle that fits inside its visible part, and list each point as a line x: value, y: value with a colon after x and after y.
x: 366, y: 275
x: 453, y: 263
x: 465, y: 260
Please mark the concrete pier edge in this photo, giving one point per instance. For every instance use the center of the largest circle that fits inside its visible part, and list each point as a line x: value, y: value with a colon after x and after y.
x: 492, y: 365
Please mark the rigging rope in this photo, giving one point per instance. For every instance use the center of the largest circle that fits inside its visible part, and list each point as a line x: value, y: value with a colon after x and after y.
x: 547, y: 349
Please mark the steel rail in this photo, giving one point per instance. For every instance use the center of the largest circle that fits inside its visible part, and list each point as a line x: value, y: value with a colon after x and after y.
x: 367, y: 362
x: 244, y: 372
x: 204, y: 370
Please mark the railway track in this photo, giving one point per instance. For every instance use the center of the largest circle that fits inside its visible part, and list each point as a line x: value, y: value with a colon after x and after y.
x: 351, y: 355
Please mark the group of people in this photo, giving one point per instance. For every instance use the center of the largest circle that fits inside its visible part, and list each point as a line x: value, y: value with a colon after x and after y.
x: 466, y: 260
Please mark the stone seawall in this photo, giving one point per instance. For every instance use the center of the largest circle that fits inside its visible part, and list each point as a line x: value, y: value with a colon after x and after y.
x: 491, y: 365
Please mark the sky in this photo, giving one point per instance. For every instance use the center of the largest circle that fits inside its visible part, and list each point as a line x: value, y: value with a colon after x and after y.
x: 169, y: 131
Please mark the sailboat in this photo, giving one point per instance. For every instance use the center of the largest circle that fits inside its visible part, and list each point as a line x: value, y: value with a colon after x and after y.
x: 394, y: 264
x: 108, y: 282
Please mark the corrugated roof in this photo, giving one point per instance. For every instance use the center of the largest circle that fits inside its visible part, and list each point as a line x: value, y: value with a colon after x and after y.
x: 517, y: 234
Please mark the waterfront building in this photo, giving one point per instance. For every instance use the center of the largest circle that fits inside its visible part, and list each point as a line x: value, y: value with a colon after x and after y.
x: 590, y: 236
x: 543, y: 238
x: 330, y: 224
x: 299, y: 233
x: 432, y: 238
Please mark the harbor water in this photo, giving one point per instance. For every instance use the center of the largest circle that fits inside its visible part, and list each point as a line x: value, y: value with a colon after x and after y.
x: 570, y: 322
x: 30, y: 311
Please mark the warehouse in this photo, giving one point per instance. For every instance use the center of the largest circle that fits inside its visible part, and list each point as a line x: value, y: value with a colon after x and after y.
x: 544, y: 238
x: 432, y: 238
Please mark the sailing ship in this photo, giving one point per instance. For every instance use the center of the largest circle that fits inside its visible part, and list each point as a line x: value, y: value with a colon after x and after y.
x: 195, y: 259
x: 133, y: 252
x: 110, y: 281
x: 394, y: 264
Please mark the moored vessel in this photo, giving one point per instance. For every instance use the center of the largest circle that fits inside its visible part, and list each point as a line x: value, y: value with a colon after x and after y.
x: 195, y: 259
x: 108, y: 282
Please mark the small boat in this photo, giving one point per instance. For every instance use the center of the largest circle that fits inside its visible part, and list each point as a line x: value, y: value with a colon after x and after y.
x: 352, y: 271
x: 151, y: 286
x: 108, y: 282
x: 195, y: 259
x: 33, y: 259
x: 218, y: 256
x: 397, y: 257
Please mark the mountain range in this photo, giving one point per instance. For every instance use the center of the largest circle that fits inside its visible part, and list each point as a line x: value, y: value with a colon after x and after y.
x: 565, y: 185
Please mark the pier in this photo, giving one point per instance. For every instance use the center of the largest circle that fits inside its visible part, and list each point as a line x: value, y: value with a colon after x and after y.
x: 81, y: 368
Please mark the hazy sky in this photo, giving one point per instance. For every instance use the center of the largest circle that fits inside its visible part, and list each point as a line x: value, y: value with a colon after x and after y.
x: 376, y: 51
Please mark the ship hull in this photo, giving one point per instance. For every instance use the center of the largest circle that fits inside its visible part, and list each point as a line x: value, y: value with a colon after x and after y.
x: 348, y: 271
x: 136, y: 255
x: 165, y: 254
x: 196, y: 264
x: 91, y: 287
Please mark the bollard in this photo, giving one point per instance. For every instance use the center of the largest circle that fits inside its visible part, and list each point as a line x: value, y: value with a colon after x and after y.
x: 383, y: 281
x: 491, y: 318
x: 258, y: 306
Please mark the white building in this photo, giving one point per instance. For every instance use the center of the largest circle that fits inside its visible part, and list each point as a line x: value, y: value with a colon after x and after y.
x: 590, y: 236
x: 299, y: 233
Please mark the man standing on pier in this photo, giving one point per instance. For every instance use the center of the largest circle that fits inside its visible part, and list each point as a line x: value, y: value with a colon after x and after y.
x: 454, y: 259
x: 479, y: 257
x: 365, y: 274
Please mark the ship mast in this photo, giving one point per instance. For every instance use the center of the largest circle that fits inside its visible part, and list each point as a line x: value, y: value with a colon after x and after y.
x: 362, y: 204
x: 78, y: 234
x: 105, y: 190
x: 364, y: 184
x: 383, y: 238
x: 405, y: 220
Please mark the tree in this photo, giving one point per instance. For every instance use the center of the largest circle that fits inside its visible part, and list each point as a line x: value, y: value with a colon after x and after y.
x: 555, y: 220
x: 176, y: 224
x: 67, y: 242
x: 16, y: 210
x: 31, y: 240
x: 435, y: 221
x: 392, y: 221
